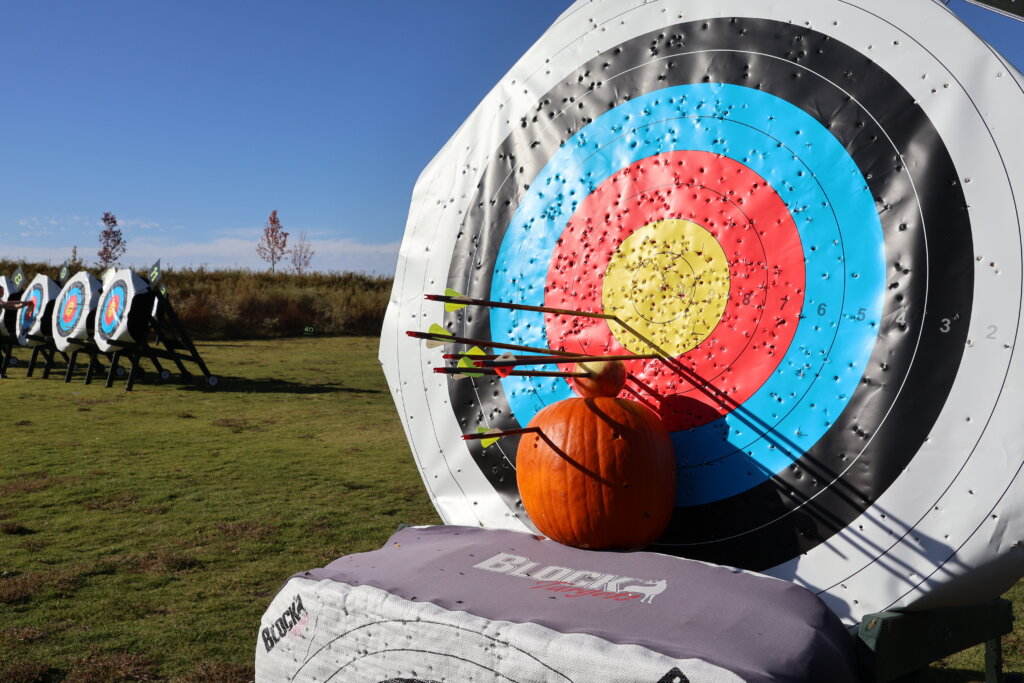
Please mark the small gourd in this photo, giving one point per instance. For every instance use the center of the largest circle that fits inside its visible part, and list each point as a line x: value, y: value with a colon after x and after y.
x: 599, y: 472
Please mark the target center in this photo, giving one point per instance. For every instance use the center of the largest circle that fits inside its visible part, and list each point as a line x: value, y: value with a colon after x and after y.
x: 673, y: 278
x: 669, y: 281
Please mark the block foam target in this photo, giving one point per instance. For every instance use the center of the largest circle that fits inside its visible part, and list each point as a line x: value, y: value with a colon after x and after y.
x: 123, y: 310
x: 36, y: 320
x: 811, y: 210
x: 75, y: 312
x: 8, y: 319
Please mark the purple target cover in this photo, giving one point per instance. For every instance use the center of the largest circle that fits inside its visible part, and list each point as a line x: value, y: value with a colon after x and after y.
x: 759, y: 628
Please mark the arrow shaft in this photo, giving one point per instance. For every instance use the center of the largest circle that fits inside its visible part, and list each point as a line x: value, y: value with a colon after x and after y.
x: 466, y: 301
x: 545, y: 360
x: 514, y: 373
x: 487, y: 343
x: 497, y: 434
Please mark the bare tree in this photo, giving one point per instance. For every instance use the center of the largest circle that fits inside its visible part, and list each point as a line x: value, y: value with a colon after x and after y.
x: 75, y: 262
x: 112, y: 244
x: 301, y: 254
x: 274, y: 244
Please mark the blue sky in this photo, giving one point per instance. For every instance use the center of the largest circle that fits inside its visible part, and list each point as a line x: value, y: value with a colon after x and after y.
x: 192, y: 121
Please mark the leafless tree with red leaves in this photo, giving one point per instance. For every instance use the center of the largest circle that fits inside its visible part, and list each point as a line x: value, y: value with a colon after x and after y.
x: 274, y: 244
x: 112, y: 244
x: 301, y: 254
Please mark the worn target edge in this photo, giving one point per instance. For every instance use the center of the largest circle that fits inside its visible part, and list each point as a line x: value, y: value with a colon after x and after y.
x: 902, y: 520
x: 134, y: 286
x: 91, y: 288
x: 49, y: 290
x: 6, y: 287
x: 857, y: 26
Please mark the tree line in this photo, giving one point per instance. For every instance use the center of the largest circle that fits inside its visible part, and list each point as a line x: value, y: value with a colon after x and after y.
x: 272, y: 246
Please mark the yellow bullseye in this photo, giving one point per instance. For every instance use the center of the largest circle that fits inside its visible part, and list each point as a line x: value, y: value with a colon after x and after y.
x: 670, y: 282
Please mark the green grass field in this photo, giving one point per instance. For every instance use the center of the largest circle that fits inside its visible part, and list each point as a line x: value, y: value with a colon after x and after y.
x: 142, y: 535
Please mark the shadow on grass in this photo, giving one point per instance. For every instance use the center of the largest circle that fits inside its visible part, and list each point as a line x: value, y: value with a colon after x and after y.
x: 269, y: 385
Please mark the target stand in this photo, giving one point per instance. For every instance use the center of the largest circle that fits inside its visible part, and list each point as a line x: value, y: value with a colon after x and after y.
x: 133, y: 312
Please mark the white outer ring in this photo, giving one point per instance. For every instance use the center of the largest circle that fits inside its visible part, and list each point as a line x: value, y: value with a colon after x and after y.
x: 91, y: 286
x: 50, y: 290
x: 134, y: 286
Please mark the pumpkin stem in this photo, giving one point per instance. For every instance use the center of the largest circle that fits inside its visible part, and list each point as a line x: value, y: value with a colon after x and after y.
x: 603, y: 378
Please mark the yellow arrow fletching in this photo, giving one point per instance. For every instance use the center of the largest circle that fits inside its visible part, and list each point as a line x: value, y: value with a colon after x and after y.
x: 487, y: 442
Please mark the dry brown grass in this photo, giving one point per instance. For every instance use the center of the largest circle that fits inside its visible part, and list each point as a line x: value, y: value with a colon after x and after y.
x: 27, y: 485
x: 248, y: 531
x: 21, y: 588
x: 29, y: 672
x: 206, y: 672
x: 112, y: 668
x: 21, y: 634
x: 117, y: 501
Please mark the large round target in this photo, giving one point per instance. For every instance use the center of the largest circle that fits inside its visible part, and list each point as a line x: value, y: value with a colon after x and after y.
x: 121, y: 316
x: 807, y: 215
x: 34, y: 323
x: 74, y: 312
x: 8, y: 319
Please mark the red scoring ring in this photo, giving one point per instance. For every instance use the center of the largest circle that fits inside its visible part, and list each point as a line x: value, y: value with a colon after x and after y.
x: 70, y: 308
x: 110, y: 313
x: 766, y: 268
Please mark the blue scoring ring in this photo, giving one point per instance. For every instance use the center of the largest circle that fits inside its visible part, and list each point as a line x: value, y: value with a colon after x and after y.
x: 107, y: 326
x: 76, y: 292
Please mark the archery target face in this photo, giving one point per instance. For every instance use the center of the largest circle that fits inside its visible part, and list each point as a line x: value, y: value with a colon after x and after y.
x: 36, y: 320
x: 77, y: 299
x: 115, y: 308
x: 809, y: 210
x: 7, y: 318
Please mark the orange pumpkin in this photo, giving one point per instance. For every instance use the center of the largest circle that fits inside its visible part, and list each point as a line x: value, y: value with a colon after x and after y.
x: 599, y: 473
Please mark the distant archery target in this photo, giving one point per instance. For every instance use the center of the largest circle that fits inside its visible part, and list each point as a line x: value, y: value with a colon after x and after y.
x: 8, y: 319
x: 36, y: 320
x: 811, y: 212
x: 74, y: 312
x: 121, y: 314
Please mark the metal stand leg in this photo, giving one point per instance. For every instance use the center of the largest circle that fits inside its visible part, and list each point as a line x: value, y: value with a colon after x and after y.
x: 994, y: 661
x: 32, y: 360
x: 71, y: 366
x: 132, y: 372
x: 113, y: 368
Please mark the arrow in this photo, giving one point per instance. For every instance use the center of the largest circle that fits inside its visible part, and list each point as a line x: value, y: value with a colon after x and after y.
x: 487, y: 437
x: 460, y: 373
x: 453, y: 300
x: 439, y: 338
x: 451, y: 297
x: 509, y: 359
x: 466, y: 365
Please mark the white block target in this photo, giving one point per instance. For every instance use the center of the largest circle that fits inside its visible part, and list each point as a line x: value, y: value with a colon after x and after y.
x: 813, y: 209
x: 8, y: 319
x: 123, y: 310
x: 75, y: 311
x: 36, y: 320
